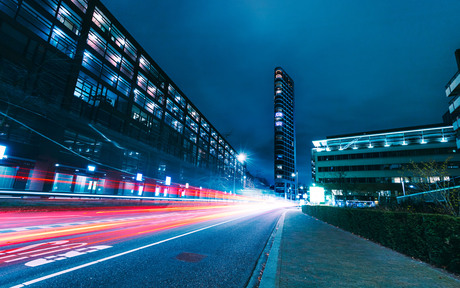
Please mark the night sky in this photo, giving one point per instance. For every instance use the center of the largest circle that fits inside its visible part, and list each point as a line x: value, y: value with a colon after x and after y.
x: 357, y: 65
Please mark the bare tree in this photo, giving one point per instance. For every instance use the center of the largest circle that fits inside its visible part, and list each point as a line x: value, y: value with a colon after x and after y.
x: 432, y: 183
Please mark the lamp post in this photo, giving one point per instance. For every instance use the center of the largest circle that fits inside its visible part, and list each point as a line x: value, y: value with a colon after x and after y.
x: 241, y: 158
x: 295, y: 176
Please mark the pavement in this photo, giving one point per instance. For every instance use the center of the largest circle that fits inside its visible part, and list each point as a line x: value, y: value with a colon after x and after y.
x: 307, y: 252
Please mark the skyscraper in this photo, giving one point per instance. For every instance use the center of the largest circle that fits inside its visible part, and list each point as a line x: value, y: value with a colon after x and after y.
x: 285, y: 143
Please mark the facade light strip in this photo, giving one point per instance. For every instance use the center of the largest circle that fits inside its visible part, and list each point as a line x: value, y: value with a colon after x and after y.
x: 389, y: 133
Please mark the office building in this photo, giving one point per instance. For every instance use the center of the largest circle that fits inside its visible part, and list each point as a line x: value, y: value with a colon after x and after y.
x: 453, y: 92
x: 285, y: 139
x: 376, y: 163
x: 77, y: 89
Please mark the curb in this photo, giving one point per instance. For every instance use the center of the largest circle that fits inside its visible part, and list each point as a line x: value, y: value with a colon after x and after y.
x: 270, y: 277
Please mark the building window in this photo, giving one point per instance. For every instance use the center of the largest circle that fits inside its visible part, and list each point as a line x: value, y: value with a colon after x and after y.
x: 176, y: 96
x: 145, y: 64
x: 130, y: 50
x: 174, y: 109
x: 86, y: 88
x: 192, y: 112
x: 147, y: 104
x: 204, y: 124
x: 188, y: 134
x: 51, y: 6
x: 33, y: 20
x: 174, y: 123
x: 69, y: 18
x: 192, y: 124
x: 63, y: 42
x: 81, y: 4
x: 96, y: 42
x: 101, y: 20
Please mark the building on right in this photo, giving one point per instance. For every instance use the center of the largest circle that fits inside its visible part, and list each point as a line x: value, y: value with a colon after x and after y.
x: 286, y: 176
x: 453, y: 91
x: 380, y: 163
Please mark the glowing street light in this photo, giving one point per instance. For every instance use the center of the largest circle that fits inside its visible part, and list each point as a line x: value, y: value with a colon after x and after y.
x: 296, y: 180
x: 241, y: 158
x: 2, y: 151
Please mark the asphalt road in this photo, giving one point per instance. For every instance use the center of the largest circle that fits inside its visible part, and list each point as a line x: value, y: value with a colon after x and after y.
x: 207, y: 247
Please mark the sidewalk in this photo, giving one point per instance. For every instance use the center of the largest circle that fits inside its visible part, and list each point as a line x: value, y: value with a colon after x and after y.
x: 315, y: 254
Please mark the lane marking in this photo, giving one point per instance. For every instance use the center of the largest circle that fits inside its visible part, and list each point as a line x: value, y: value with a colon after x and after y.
x: 119, y: 254
x: 63, y: 256
x: 40, y: 249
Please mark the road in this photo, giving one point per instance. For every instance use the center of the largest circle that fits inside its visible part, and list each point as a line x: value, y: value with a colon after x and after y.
x: 205, y: 246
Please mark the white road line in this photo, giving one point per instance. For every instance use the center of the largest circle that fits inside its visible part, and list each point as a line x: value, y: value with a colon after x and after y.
x: 118, y: 255
x: 16, y: 259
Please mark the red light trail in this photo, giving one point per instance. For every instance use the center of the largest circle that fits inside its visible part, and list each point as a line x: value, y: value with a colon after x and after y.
x: 26, y: 236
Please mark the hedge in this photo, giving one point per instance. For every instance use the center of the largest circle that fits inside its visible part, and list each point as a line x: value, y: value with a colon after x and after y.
x: 434, y: 239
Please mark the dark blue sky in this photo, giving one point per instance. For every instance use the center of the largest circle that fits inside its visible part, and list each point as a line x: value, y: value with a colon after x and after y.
x: 357, y: 65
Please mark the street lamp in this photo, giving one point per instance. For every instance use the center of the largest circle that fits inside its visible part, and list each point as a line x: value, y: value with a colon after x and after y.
x: 296, y: 179
x: 241, y: 158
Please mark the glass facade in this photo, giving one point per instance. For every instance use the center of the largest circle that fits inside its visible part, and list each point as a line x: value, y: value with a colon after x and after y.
x: 285, y: 147
x: 108, y: 79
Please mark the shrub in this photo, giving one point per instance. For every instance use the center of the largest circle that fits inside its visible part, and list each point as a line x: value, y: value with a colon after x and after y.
x: 431, y: 238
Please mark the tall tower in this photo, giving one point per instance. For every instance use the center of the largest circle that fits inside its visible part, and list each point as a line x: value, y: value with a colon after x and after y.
x: 285, y: 143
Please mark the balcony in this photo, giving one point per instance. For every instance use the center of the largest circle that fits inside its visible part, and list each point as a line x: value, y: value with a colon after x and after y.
x: 452, y: 88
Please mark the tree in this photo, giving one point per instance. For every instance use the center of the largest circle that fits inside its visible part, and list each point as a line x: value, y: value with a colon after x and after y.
x: 431, y: 182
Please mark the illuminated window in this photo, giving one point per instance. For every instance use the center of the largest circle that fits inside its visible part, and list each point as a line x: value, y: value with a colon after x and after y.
x: 141, y: 81
x: 101, y: 20
x: 96, y: 42
x: 278, y: 123
x: 204, y: 124
x: 113, y: 56
x: 192, y: 124
x: 192, y: 112
x: 172, y: 122
x: 145, y: 64
x: 118, y: 37
x: 147, y: 104
x: 177, y: 96
x: 127, y: 68
x: 81, y: 4
x: 174, y: 109
x: 63, y: 42
x: 188, y: 134
x: 69, y: 18
x: 130, y: 50
x: 214, y: 134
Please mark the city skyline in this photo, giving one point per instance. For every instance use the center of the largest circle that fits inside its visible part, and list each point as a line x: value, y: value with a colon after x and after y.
x: 359, y: 66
